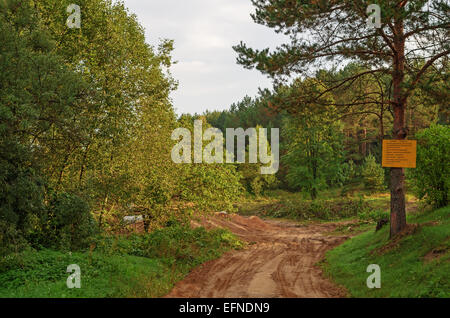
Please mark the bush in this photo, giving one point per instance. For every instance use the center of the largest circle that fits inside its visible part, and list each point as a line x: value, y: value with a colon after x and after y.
x: 144, y: 265
x: 431, y: 179
x: 11, y: 240
x: 373, y: 174
x: 69, y: 223
x: 410, y: 271
x: 21, y: 187
x: 373, y: 215
x: 349, y: 172
x: 210, y: 186
x: 319, y: 209
x: 255, y: 182
x: 176, y: 243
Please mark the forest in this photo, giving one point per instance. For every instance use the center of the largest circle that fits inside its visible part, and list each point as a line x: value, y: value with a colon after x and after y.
x: 86, y: 137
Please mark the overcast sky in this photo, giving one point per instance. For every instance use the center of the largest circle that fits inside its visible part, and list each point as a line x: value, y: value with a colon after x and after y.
x: 204, y: 32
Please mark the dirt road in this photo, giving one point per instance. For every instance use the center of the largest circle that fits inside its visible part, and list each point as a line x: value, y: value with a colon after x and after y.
x: 279, y: 262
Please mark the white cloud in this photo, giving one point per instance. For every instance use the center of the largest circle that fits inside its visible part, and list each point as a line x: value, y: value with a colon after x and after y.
x: 204, y: 32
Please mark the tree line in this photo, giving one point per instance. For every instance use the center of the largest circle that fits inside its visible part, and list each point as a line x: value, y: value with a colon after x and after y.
x: 85, y: 124
x: 86, y: 116
x: 410, y: 42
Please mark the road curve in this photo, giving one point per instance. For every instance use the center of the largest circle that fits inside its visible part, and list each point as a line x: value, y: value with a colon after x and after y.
x: 280, y: 261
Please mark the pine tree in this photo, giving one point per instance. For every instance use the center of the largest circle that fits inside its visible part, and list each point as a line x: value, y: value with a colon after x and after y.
x: 338, y: 31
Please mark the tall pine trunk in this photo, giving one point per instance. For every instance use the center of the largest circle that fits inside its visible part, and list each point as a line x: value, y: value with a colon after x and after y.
x: 398, y: 202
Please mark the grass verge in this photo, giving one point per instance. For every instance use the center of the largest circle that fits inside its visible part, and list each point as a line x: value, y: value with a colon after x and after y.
x: 135, y: 266
x: 364, y: 207
x: 415, y: 264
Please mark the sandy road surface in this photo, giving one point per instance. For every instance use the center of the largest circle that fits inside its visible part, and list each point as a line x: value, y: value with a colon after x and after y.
x: 279, y: 262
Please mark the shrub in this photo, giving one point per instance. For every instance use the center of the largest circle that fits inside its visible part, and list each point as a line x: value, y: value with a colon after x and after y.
x: 349, y: 171
x: 21, y: 187
x: 431, y: 179
x: 373, y: 174
x: 210, y: 186
x: 255, y: 182
x: 11, y: 240
x: 69, y: 223
x: 176, y: 243
x: 319, y: 209
x: 373, y: 215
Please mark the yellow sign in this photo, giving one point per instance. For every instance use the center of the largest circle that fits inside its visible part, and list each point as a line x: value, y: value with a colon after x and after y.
x: 399, y: 153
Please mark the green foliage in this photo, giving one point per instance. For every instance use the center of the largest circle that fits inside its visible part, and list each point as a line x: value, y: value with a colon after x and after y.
x: 11, y: 240
x: 337, y: 32
x: 69, y: 224
x: 88, y: 111
x: 329, y: 206
x: 247, y: 113
x: 314, y: 155
x: 136, y: 266
x: 85, y: 130
x: 37, y: 96
x: 257, y: 183
x: 373, y: 174
x: 252, y: 179
x: 210, y: 186
x: 349, y: 171
x: 431, y: 179
x: 21, y: 195
x: 314, y: 151
x: 176, y: 244
x: 325, y: 30
x: 117, y: 150
x: 320, y: 209
x: 415, y: 265
x: 373, y: 215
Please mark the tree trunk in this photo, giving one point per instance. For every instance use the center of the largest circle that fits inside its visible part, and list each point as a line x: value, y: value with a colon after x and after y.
x: 314, y: 173
x: 398, y: 204
x: 146, y: 223
x: 83, y: 164
x: 363, y: 132
x: 313, y: 194
x: 381, y: 122
x: 100, y: 219
x: 380, y: 147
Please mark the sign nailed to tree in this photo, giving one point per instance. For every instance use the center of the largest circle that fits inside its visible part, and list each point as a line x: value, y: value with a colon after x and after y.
x: 399, y: 153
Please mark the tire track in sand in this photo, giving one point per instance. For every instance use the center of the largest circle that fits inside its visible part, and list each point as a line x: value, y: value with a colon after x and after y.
x: 279, y: 262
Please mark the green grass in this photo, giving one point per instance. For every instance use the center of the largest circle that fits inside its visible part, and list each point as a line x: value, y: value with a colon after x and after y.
x: 415, y: 265
x: 43, y: 274
x: 296, y: 207
x: 135, y: 266
x: 356, y: 227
